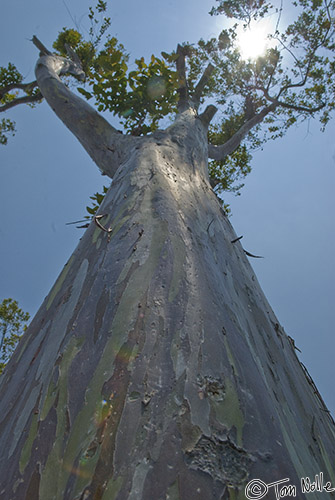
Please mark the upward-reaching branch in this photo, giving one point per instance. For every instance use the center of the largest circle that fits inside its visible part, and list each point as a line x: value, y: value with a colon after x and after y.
x: 42, y: 48
x: 198, y: 91
x: 106, y: 146
x: 183, y: 102
x: 219, y: 153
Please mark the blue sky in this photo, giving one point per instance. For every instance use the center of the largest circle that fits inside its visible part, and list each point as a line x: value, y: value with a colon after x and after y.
x: 285, y: 212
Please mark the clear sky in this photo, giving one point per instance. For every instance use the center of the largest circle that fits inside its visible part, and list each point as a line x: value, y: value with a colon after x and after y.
x: 285, y: 212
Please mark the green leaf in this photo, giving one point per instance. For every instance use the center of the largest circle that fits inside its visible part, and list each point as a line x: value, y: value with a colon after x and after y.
x: 84, y: 92
x: 91, y: 210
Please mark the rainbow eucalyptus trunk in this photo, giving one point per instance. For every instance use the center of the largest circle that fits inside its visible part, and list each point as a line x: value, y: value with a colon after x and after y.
x: 155, y: 368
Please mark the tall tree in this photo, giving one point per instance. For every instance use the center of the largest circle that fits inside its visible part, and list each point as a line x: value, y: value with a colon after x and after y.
x: 155, y: 368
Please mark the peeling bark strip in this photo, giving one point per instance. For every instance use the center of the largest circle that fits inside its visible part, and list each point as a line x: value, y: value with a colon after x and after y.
x: 155, y: 368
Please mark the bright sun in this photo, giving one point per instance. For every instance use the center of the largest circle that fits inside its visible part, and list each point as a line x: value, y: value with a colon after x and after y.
x: 253, y: 40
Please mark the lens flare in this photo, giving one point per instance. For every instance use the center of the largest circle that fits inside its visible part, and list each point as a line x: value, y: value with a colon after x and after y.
x: 156, y: 87
x: 253, y: 40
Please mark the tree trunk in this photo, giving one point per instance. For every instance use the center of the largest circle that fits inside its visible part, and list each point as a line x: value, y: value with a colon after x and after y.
x: 155, y: 368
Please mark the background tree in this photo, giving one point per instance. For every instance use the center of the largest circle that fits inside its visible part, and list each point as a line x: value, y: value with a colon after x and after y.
x: 213, y: 393
x: 12, y: 326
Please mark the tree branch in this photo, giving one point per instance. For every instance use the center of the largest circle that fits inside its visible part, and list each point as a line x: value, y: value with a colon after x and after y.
x: 219, y: 153
x: 298, y: 84
x: 304, y: 109
x: 183, y: 102
x: 28, y: 99
x: 21, y: 86
x: 198, y: 91
x: 310, y: 59
x: 42, y: 48
x: 106, y: 146
x: 296, y: 107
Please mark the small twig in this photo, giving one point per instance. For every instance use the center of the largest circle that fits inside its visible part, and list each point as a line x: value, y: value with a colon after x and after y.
x: 293, y: 343
x: 251, y: 255
x: 75, y: 222
x: 245, y: 251
x: 236, y: 239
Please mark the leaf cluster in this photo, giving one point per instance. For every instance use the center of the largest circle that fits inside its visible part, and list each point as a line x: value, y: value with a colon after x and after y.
x: 13, y: 92
x: 296, y: 73
x: 292, y: 81
x: 140, y: 95
x: 97, y: 199
x: 8, y: 75
x: 259, y: 99
x: 245, y: 10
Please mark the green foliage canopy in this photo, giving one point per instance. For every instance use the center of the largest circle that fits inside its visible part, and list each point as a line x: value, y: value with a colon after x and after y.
x: 258, y: 99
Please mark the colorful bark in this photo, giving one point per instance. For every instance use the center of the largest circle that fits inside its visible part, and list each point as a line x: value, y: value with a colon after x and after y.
x: 156, y: 368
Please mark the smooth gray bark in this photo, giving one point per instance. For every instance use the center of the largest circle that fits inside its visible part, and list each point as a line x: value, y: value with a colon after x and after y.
x: 105, y: 145
x: 155, y: 368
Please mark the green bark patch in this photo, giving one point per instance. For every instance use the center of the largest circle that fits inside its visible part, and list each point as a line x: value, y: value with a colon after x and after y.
x: 26, y: 450
x: 113, y: 488
x: 302, y: 460
x: 99, y: 416
x: 114, y: 391
x: 50, y: 480
x: 50, y: 399
x: 173, y: 492
x: 228, y: 411
x: 34, y: 484
x: 327, y: 461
